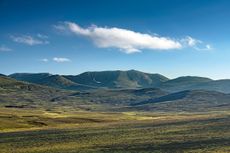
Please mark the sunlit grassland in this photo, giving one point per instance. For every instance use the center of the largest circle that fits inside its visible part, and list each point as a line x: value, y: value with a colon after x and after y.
x: 64, y: 130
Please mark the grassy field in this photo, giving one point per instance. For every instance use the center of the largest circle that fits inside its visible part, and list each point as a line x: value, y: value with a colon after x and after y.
x: 65, y: 130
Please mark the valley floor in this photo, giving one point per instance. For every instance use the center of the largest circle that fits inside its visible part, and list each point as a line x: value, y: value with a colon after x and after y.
x: 27, y: 130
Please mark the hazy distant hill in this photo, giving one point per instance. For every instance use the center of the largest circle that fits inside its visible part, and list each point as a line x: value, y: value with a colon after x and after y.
x: 119, y: 79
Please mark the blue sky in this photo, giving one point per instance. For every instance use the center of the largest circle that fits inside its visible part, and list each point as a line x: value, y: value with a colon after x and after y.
x: 173, y: 37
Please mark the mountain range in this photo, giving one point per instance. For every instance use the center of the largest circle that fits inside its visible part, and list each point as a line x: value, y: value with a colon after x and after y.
x: 114, y: 91
x: 131, y: 79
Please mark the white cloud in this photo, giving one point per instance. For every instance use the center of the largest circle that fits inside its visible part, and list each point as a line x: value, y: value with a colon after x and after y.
x: 126, y: 40
x: 130, y: 41
x: 29, y: 40
x: 61, y: 59
x: 44, y: 60
x: 56, y: 59
x: 195, y: 43
x: 4, y: 48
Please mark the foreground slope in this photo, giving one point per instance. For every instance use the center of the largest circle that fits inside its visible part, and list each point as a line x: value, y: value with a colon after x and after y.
x: 67, y: 131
